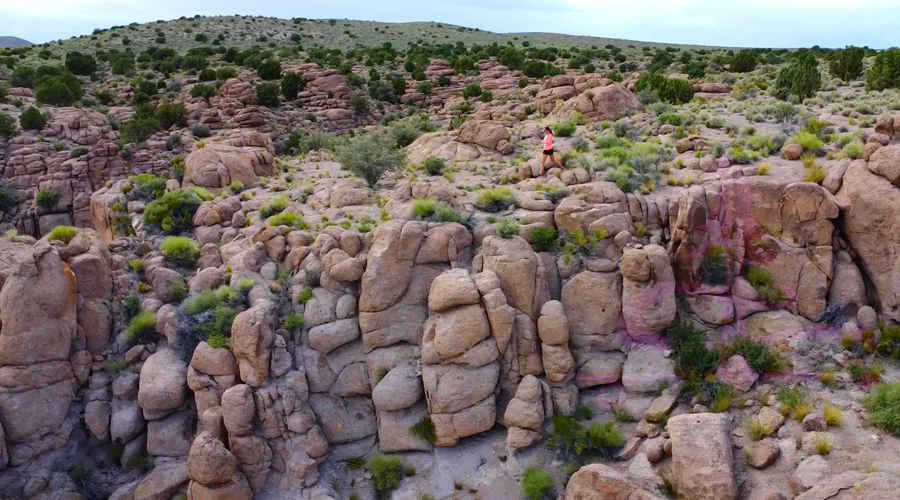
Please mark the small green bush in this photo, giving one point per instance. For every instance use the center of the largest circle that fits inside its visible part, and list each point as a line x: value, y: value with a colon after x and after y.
x: 537, y: 484
x: 180, y: 250
x: 854, y: 150
x: 759, y: 277
x: 434, y: 165
x: 424, y: 429
x: 772, y: 295
x: 7, y: 126
x: 267, y: 94
x: 573, y: 441
x: 387, y: 474
x: 885, y: 70
x: 883, y: 404
x: 496, y: 199
x: 565, y: 129
x: 507, y: 228
x: 174, y: 212
x: 47, y: 199
x: 275, y: 206
x: 671, y: 118
x: 62, y: 233
x: 143, y: 323
x: 270, y: 69
x: 32, y: 119
x: 543, y: 239
x: 369, y: 156
x: 801, y: 79
x: 808, y: 140
x: 472, y: 90
x: 304, y: 296
x: 147, y: 187
x: 290, y: 219
x: 293, y: 322
x: 693, y: 360
x: 761, y: 357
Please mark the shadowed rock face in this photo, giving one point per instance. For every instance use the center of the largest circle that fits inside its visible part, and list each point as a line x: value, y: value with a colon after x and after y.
x: 37, y: 327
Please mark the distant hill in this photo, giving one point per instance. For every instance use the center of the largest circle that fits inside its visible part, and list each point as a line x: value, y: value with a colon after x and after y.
x: 13, y: 41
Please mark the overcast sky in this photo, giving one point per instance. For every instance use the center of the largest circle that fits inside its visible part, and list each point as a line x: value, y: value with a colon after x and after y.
x: 761, y: 23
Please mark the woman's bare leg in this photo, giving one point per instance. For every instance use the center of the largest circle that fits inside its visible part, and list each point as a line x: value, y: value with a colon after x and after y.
x: 560, y: 165
x: 543, y: 163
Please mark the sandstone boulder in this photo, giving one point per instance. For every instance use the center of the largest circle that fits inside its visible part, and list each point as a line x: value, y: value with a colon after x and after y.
x: 216, y: 166
x: 702, y: 457
x: 163, y: 384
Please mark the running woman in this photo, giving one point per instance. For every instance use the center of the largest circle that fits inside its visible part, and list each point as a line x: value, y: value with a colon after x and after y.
x: 548, y: 150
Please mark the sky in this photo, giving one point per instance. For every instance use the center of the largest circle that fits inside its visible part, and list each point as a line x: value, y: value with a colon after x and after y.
x: 761, y: 23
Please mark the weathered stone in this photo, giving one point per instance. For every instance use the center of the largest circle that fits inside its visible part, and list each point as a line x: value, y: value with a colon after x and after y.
x: 702, y: 457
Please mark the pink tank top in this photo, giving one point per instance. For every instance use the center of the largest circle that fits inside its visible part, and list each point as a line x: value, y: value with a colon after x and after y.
x: 548, y: 142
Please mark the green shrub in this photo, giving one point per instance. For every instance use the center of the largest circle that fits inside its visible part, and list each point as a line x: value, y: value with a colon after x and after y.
x: 815, y: 174
x: 291, y: 85
x: 693, y: 360
x: 217, y: 340
x: 143, y: 323
x: 772, y: 295
x: 537, y: 484
x: 369, y: 156
x: 846, y: 64
x: 79, y: 152
x: 290, y: 219
x: 304, y: 296
x: 47, y: 198
x: 174, y: 212
x: 200, y: 131
x: 565, y: 129
x: 225, y: 73
x: 543, y: 239
x: 423, y: 208
x: 180, y: 250
x: 759, y: 277
x: 304, y: 141
x: 170, y: 114
x: 360, y: 103
x: 676, y: 91
x: 7, y: 126
x: 671, y: 119
x: 744, y: 61
x: 62, y: 233
x: 720, y: 397
x: 496, y: 199
x: 607, y: 141
x: 885, y: 70
x: 573, y: 441
x: 32, y: 119
x: 203, y: 90
x: 808, y: 140
x: 854, y: 150
x: 293, y: 322
x: 434, y: 165
x: 762, y: 357
x: 715, y: 265
x: 275, y: 206
x: 147, y: 187
x: 445, y: 213
x: 794, y: 402
x: 55, y: 91
x: 472, y: 90
x: 883, y: 405
x: 387, y: 474
x: 267, y: 94
x: 270, y: 69
x: 424, y: 429
x: 801, y: 79
x: 507, y: 228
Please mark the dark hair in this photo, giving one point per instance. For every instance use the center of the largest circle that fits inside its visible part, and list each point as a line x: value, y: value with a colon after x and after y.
x: 548, y: 129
